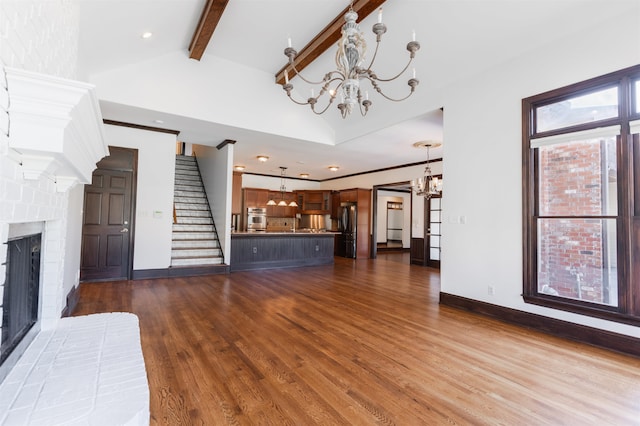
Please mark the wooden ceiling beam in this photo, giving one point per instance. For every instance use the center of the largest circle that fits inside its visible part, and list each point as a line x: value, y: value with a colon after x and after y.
x: 327, y: 38
x: 209, y: 19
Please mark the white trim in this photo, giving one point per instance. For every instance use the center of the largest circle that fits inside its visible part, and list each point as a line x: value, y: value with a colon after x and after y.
x: 600, y: 132
x: 634, y: 127
x: 56, y: 127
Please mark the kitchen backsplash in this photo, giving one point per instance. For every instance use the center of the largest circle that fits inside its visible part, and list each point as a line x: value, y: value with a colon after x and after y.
x: 276, y: 224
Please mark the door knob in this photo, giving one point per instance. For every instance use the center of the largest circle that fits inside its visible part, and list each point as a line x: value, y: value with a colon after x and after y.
x: 124, y: 230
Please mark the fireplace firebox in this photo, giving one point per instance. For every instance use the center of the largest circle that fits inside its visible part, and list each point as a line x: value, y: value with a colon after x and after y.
x: 21, y: 291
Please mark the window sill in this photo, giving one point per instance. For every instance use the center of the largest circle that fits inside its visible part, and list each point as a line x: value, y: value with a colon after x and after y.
x: 608, y: 313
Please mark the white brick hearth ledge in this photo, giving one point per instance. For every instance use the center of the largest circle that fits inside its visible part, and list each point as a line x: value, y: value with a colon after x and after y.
x: 89, y: 370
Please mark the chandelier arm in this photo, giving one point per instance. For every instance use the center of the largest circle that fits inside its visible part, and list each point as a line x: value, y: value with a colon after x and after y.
x: 386, y: 80
x: 312, y: 101
x: 327, y: 77
x: 325, y: 108
x: 325, y: 88
x: 379, y: 90
x: 364, y: 111
x: 298, y: 102
x: 373, y: 58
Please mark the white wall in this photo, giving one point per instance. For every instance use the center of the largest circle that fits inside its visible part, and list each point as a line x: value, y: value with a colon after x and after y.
x: 210, y: 93
x: 482, y: 129
x: 154, y: 196
x: 73, y: 238
x: 273, y: 183
x: 216, y: 170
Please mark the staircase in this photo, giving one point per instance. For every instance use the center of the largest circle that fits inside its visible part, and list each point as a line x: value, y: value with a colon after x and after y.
x: 194, y: 237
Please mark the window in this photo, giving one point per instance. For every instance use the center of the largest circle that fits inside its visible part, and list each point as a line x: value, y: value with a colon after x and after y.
x: 581, y: 206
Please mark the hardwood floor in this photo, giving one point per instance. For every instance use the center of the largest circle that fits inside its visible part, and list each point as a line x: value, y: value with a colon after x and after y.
x: 358, y: 342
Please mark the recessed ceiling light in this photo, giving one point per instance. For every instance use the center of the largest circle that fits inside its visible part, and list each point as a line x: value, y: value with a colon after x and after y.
x: 146, y: 34
x: 262, y: 158
x: 304, y: 175
x: 158, y: 121
x: 239, y: 168
x: 334, y: 168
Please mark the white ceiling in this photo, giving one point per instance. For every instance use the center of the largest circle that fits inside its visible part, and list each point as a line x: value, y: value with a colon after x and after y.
x: 458, y: 38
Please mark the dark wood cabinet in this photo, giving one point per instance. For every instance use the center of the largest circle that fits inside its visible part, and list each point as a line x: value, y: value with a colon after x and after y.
x: 349, y: 195
x: 255, y: 197
x: 280, y: 250
x: 236, y: 193
x: 363, y: 243
x: 335, y: 205
x: 282, y: 211
x: 362, y: 197
x: 314, y: 202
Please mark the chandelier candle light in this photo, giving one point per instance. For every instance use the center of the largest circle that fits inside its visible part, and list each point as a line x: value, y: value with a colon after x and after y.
x: 428, y: 185
x: 349, y: 58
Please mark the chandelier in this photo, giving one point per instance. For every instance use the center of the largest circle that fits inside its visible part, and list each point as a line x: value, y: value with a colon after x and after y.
x: 428, y: 185
x: 345, y: 81
x: 283, y: 189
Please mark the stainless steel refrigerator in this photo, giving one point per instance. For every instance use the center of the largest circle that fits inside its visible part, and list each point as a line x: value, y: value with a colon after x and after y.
x: 348, y: 230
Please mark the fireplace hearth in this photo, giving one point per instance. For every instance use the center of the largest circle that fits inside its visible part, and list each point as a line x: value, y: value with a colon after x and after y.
x: 21, y: 291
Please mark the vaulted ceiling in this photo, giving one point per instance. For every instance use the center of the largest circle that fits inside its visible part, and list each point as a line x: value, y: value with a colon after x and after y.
x: 231, y: 92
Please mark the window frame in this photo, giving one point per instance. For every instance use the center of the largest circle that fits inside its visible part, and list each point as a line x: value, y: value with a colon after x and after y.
x: 628, y: 212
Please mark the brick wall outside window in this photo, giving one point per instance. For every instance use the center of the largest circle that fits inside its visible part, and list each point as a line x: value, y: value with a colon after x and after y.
x: 572, y: 251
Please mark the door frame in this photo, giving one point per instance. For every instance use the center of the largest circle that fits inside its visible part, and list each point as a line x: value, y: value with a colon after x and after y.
x: 397, y: 187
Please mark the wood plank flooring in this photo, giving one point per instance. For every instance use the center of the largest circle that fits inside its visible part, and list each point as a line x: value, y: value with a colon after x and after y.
x: 355, y: 343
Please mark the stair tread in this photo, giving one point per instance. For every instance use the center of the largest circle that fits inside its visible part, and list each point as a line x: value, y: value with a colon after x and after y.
x: 195, y: 248
x: 198, y: 257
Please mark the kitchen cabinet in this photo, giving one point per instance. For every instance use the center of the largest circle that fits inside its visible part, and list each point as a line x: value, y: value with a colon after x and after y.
x: 314, y: 202
x: 255, y: 197
x: 236, y: 193
x: 362, y: 197
x: 349, y: 195
x: 282, y: 211
x: 363, y: 244
x: 335, y: 205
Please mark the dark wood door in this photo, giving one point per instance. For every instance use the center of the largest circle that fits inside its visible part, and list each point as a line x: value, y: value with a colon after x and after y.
x: 106, y: 230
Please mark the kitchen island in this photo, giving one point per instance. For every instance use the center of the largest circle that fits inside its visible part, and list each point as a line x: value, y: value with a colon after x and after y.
x: 267, y: 250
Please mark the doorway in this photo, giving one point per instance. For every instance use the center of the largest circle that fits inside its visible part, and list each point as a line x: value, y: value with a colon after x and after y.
x: 394, y: 225
x: 107, y: 225
x: 391, y: 224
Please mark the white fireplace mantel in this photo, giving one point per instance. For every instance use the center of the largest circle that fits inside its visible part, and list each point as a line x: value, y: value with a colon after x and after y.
x: 55, y: 127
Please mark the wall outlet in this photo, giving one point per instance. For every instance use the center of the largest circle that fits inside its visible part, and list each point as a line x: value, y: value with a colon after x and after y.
x: 491, y: 290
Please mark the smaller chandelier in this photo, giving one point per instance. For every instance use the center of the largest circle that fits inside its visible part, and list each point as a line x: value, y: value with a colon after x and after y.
x: 283, y: 189
x: 427, y: 186
x: 346, y: 79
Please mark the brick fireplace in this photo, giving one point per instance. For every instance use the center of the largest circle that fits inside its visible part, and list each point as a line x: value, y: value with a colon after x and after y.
x: 51, y: 137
